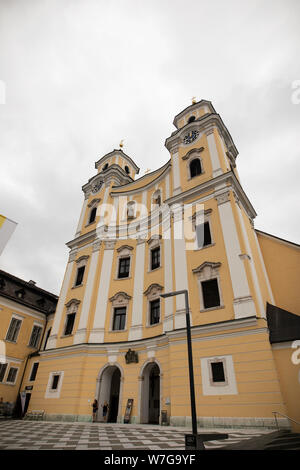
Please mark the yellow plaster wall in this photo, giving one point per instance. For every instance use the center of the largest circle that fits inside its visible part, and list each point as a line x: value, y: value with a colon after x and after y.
x: 282, y: 261
x: 289, y: 377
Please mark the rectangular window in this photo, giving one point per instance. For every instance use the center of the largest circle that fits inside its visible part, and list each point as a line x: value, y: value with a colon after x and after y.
x: 35, y: 336
x: 155, y: 258
x: 210, y: 291
x: 12, y: 374
x: 203, y: 235
x: 14, y: 329
x: 55, y: 380
x: 80, y: 274
x: 34, y: 371
x: 70, y: 323
x: 154, y: 311
x: 119, y: 318
x: 218, y: 373
x: 3, y: 368
x: 124, y: 265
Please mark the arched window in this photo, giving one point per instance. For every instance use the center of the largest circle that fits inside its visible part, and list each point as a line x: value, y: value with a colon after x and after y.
x: 93, y: 215
x: 105, y: 167
x: 191, y: 119
x: 195, y: 167
x: 127, y: 170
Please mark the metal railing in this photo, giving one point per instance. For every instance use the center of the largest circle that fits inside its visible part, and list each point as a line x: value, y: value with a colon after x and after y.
x: 281, y: 414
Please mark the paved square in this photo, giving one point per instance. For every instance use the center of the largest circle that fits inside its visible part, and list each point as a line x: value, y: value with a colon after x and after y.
x: 45, y: 435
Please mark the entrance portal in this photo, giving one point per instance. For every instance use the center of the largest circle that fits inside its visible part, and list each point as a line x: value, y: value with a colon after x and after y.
x: 110, y: 392
x: 150, y: 396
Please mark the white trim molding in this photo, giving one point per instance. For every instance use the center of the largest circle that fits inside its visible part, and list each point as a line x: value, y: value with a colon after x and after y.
x: 228, y: 387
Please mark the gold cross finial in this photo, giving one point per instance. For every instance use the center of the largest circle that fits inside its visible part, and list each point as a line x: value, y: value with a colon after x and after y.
x: 121, y: 144
x: 194, y: 100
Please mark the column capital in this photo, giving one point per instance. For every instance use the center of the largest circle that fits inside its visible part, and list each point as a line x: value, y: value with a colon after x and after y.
x: 96, y: 245
x: 223, y: 197
x: 109, y: 244
x: 72, y: 256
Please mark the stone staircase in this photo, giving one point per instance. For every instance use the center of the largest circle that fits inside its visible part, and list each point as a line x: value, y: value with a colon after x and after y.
x: 285, y: 440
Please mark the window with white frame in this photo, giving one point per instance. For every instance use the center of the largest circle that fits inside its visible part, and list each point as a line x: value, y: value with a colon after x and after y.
x: 81, y: 265
x: 154, y: 311
x: 72, y: 308
x: 202, y: 228
x: 12, y: 375
x: 92, y: 210
x: 218, y: 376
x: 195, y: 167
x: 3, y: 367
x: 14, y: 329
x: 124, y: 262
x: 154, y: 244
x: 119, y: 319
x: 209, y: 285
x: 35, y: 336
x: 54, y: 384
x: 154, y: 306
x: 55, y: 381
x: 34, y: 370
x: 119, y: 308
x: 194, y: 163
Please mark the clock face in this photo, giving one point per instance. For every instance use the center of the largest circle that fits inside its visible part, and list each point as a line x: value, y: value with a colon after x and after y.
x: 190, y: 137
x: 96, y: 187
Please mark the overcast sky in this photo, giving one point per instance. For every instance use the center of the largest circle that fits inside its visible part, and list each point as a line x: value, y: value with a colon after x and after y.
x: 80, y: 75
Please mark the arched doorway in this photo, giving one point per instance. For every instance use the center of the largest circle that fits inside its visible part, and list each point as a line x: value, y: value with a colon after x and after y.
x: 110, y: 381
x: 150, y: 394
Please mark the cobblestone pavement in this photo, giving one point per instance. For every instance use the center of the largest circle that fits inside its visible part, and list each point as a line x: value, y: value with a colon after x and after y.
x: 45, y: 435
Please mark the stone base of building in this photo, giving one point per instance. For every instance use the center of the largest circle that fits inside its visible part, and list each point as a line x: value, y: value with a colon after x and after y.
x: 227, y: 422
x: 68, y: 418
x: 185, y: 421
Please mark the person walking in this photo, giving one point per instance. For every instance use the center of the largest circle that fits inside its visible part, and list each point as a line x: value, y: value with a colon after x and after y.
x: 105, y: 408
x: 95, y: 409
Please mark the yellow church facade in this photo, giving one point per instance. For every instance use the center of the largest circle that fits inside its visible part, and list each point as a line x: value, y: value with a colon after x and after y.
x: 185, y: 226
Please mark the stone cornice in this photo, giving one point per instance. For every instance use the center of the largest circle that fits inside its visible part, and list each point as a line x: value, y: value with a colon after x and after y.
x: 226, y: 327
x: 210, y: 264
x: 164, y: 170
x: 228, y: 177
x: 191, y: 152
x: 85, y: 238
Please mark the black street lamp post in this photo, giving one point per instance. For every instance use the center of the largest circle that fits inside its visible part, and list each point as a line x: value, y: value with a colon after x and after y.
x: 194, y: 443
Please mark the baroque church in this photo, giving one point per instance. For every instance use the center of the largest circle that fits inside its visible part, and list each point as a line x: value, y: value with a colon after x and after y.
x: 188, y: 225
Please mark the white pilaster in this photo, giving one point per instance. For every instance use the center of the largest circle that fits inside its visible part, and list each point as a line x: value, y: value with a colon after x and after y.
x: 176, y: 173
x: 81, y: 218
x: 97, y: 333
x: 264, y: 268
x: 80, y: 335
x: 168, y: 271
x: 243, y: 303
x: 251, y: 264
x: 136, y: 328
x: 167, y: 183
x: 61, y: 302
x: 181, y: 279
x: 214, y: 156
